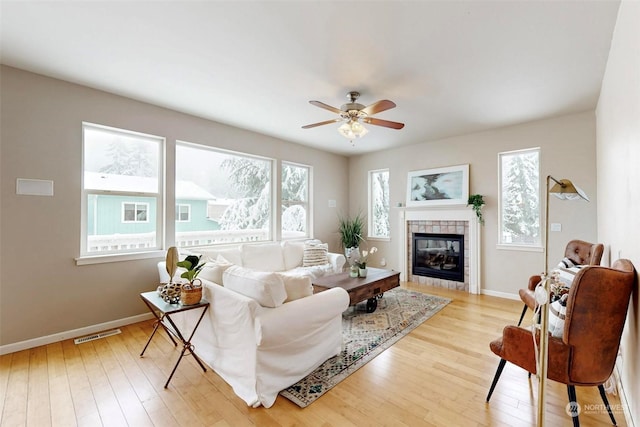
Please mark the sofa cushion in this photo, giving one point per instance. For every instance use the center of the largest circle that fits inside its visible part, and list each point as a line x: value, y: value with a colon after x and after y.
x: 292, y: 254
x: 264, y: 287
x: 297, y: 286
x: 265, y: 257
x: 213, y: 271
x: 315, y: 253
x: 232, y: 255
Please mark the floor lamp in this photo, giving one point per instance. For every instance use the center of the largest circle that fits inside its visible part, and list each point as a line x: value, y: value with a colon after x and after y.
x: 565, y: 190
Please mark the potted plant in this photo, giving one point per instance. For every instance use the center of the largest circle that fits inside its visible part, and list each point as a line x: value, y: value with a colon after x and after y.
x: 191, y: 293
x: 351, y: 230
x: 476, y: 201
x: 362, y: 262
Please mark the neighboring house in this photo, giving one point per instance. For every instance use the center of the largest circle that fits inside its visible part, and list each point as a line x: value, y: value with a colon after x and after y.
x: 126, y: 218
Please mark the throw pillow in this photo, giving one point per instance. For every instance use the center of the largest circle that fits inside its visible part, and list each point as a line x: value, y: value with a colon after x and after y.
x: 561, y: 281
x: 213, y: 271
x: 292, y: 253
x: 296, y: 286
x: 266, y: 288
x: 557, y: 311
x: 315, y: 254
x: 263, y: 257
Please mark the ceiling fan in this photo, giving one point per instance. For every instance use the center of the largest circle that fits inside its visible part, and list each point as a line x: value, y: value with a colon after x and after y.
x: 354, y: 114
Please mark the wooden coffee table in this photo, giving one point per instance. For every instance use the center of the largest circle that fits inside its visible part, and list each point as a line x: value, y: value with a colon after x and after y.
x: 368, y: 288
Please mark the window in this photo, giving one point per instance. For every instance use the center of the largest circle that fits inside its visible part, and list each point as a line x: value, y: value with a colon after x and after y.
x: 295, y: 201
x: 183, y: 213
x: 379, y: 203
x: 135, y: 212
x: 520, y: 198
x: 122, y: 191
x: 230, y: 196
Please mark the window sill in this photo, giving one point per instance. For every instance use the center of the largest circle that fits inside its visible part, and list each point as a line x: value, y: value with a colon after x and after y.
x: 522, y: 248
x: 102, y: 259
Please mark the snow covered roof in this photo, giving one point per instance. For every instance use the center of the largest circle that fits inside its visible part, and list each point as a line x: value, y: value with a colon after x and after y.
x: 187, y: 190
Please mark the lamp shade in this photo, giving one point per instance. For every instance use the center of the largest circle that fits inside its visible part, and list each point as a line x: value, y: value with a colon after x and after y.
x: 566, y: 190
x: 352, y: 129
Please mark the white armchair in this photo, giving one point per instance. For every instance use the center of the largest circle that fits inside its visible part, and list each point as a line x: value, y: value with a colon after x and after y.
x: 260, y: 351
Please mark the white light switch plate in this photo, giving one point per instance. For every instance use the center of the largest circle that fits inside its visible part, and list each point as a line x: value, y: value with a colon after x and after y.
x: 556, y: 226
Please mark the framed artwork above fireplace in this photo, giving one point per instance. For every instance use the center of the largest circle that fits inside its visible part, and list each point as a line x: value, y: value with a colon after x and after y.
x: 437, y: 187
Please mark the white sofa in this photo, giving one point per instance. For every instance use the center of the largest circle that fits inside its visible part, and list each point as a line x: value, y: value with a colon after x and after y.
x: 260, y: 350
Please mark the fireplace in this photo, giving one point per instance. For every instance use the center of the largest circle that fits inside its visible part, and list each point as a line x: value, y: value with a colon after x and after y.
x: 438, y: 255
x: 461, y: 221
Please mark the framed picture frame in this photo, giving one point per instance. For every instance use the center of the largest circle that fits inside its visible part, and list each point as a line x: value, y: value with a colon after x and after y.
x: 438, y: 187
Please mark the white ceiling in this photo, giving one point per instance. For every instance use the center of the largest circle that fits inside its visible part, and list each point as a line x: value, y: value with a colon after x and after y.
x: 451, y: 67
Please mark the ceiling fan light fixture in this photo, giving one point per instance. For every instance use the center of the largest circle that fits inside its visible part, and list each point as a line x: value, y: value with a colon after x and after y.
x: 352, y: 129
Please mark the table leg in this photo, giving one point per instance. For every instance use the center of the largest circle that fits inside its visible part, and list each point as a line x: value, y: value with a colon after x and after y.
x: 186, y: 345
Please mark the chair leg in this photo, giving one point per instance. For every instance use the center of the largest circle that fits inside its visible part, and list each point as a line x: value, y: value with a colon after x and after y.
x: 524, y: 311
x: 603, y: 394
x: 496, y: 377
x: 573, y: 405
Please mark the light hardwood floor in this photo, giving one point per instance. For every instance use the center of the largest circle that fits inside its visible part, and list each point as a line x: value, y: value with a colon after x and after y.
x: 438, y: 375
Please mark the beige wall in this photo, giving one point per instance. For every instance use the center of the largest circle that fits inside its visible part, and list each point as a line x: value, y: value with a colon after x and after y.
x: 42, y: 291
x: 618, y: 148
x: 567, y: 151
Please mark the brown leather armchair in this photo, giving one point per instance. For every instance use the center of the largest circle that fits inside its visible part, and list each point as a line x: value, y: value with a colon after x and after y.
x: 586, y: 353
x: 579, y: 252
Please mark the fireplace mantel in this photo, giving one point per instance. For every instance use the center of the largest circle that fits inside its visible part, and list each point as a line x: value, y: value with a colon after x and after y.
x: 462, y: 214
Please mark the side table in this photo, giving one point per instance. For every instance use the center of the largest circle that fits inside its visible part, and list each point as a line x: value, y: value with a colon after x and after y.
x: 162, y: 312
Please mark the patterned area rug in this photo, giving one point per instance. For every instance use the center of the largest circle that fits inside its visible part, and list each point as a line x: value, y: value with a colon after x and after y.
x: 365, y: 335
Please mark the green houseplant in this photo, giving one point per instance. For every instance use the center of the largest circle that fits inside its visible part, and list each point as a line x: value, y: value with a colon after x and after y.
x: 476, y: 201
x: 351, y: 230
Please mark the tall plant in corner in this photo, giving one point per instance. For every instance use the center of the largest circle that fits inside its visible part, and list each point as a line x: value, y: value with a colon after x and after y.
x: 476, y: 201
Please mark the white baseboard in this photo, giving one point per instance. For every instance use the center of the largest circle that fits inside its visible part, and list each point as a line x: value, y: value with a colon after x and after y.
x: 500, y: 294
x: 628, y: 416
x: 36, y: 342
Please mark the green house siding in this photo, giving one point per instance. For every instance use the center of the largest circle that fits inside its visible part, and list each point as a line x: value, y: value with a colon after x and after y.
x: 105, y: 215
x: 198, y: 220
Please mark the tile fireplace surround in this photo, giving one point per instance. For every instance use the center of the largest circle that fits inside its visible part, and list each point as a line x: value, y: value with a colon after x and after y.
x: 449, y: 221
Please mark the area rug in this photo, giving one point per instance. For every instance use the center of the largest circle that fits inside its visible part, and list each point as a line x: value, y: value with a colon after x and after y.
x: 365, y: 335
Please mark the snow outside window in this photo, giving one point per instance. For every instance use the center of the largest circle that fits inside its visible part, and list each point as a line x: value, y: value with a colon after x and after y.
x: 295, y: 201
x: 230, y: 196
x: 121, y: 191
x: 520, y: 198
x: 379, y: 204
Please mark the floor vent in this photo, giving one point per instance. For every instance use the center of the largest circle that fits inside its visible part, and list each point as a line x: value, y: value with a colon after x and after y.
x: 97, y: 336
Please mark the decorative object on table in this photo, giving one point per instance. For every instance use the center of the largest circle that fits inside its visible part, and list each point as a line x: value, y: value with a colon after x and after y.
x: 351, y: 231
x: 365, y: 336
x: 436, y: 187
x: 362, y: 262
x: 564, y: 190
x: 476, y: 201
x: 170, y: 292
x: 191, y: 293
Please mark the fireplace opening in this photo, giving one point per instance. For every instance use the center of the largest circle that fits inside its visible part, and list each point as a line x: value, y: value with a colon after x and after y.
x: 439, y: 255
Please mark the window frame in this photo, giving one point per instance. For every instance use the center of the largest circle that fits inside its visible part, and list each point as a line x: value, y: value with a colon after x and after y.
x: 272, y: 197
x: 92, y: 257
x: 536, y: 246
x: 182, y: 205
x: 308, y: 204
x: 370, y: 205
x: 135, y: 220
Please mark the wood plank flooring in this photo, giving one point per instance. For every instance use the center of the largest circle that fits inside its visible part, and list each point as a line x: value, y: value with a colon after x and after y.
x: 438, y: 375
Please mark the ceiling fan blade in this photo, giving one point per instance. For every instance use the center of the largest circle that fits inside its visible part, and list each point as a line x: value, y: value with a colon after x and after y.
x: 326, y: 107
x: 385, y: 123
x: 379, y: 106
x: 326, y: 122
